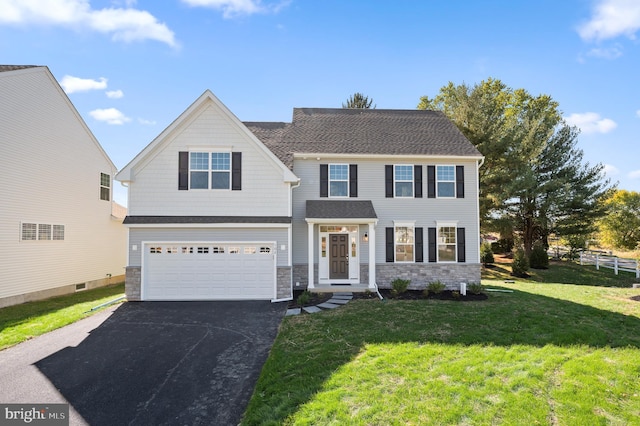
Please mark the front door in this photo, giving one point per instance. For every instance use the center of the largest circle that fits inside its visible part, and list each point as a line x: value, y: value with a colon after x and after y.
x: 338, y: 256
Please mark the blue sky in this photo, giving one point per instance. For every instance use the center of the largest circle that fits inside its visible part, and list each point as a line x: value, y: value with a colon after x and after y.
x: 131, y: 67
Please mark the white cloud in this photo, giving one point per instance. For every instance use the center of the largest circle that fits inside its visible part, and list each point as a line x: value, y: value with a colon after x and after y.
x: 612, y: 52
x: 611, y: 170
x: 591, y: 122
x: 110, y: 116
x: 635, y: 174
x: 612, y: 18
x: 124, y: 24
x: 146, y: 122
x: 72, y: 84
x: 114, y: 94
x: 231, y: 8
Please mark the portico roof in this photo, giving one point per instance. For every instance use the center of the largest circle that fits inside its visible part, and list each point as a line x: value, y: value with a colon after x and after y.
x: 331, y: 210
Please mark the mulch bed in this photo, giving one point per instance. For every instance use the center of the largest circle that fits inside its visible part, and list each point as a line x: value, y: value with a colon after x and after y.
x: 317, y: 298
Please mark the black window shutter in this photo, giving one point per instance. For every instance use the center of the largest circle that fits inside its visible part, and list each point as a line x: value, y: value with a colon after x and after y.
x: 388, y: 181
x: 324, y: 180
x: 388, y: 244
x: 419, y: 245
x: 432, y: 245
x: 183, y: 171
x: 460, y: 181
x: 353, y: 180
x: 431, y: 181
x: 417, y: 181
x: 236, y: 171
x: 461, y: 245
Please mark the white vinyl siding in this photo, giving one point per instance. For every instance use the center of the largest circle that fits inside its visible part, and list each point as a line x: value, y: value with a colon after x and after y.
x: 43, y: 133
x: 154, y: 189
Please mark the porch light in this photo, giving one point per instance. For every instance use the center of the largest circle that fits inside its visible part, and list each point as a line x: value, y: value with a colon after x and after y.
x: 365, y: 237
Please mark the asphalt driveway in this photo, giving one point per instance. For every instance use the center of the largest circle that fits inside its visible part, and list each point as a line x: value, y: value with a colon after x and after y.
x: 173, y: 363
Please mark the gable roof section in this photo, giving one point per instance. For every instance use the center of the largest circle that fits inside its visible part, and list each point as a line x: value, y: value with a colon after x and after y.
x: 12, y: 70
x: 340, y: 209
x: 364, y: 132
x: 126, y: 174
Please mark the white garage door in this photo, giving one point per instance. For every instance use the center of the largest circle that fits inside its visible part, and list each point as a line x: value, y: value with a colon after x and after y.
x: 208, y: 271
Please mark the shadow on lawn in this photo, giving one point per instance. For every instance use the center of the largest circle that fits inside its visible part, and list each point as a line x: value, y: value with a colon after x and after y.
x: 311, y: 348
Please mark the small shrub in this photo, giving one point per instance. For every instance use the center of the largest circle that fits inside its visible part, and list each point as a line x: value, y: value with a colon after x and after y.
x: 486, y: 254
x: 455, y: 294
x: 475, y: 288
x: 520, y: 264
x: 304, y: 298
x: 539, y: 258
x: 435, y: 287
x: 503, y: 245
x: 399, y: 286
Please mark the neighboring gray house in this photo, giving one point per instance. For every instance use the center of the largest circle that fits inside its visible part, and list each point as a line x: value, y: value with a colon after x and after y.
x: 221, y: 209
x: 60, y: 230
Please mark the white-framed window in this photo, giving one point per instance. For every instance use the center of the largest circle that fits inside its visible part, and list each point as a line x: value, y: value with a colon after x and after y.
x: 58, y: 232
x: 218, y: 250
x: 404, y: 242
x: 210, y: 170
x: 338, y: 180
x: 30, y: 231
x: 403, y: 180
x: 203, y: 250
x: 187, y: 250
x: 265, y: 250
x: 249, y: 250
x: 446, y: 181
x: 447, y: 243
x: 105, y: 187
x: 234, y: 250
x: 155, y: 250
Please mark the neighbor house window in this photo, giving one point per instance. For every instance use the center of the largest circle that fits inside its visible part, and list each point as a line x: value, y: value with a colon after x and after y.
x: 210, y: 170
x: 338, y: 180
x: 404, y: 243
x: 58, y: 232
x: 105, y: 186
x: 403, y: 180
x: 446, y: 181
x: 447, y: 244
x: 29, y: 231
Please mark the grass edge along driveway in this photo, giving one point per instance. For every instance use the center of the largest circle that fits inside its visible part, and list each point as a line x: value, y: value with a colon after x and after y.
x: 25, y: 321
x: 548, y: 353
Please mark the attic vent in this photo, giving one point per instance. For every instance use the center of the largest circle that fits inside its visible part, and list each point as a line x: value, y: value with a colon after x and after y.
x: 80, y: 287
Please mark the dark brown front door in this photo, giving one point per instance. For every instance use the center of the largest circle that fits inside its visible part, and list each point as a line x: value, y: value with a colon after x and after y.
x: 339, y: 256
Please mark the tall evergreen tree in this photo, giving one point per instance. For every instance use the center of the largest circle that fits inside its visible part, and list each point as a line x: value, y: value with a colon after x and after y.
x: 534, y: 181
x: 358, y: 100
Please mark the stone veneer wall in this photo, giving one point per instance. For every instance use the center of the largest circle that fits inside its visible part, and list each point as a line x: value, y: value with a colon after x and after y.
x: 420, y: 274
x: 283, y: 285
x: 133, y: 284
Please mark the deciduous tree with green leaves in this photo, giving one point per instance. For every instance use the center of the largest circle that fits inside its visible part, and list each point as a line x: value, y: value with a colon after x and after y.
x: 620, y: 228
x: 358, y: 100
x: 534, y: 181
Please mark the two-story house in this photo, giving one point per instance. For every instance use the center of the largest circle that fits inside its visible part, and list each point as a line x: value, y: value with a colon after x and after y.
x: 345, y: 199
x: 60, y: 230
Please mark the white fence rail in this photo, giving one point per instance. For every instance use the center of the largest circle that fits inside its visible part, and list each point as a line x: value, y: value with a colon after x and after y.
x: 608, y: 261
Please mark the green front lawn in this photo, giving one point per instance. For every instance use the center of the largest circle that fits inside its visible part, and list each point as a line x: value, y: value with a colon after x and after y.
x: 550, y: 352
x: 22, y: 322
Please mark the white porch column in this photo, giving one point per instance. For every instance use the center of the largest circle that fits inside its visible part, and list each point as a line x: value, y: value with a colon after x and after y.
x: 372, y: 256
x: 310, y: 246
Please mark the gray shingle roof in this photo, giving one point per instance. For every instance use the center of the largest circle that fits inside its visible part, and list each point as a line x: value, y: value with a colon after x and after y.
x: 364, y: 131
x: 15, y: 67
x: 142, y: 220
x: 340, y: 209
